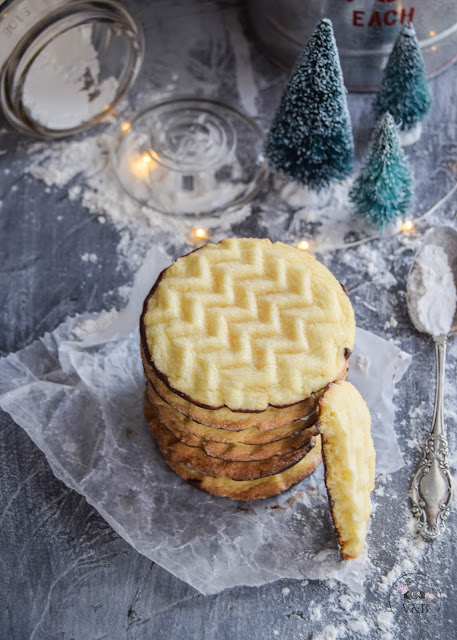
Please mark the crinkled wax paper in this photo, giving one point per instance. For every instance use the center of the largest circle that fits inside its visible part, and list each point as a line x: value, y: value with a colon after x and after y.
x: 78, y: 393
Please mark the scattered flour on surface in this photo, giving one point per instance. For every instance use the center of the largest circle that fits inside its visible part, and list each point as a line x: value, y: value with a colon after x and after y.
x: 359, y: 626
x: 346, y: 602
x: 377, y: 266
x: 89, y: 257
x: 385, y: 620
x: 58, y: 164
x: 315, y: 613
x: 391, y: 323
x: 74, y: 192
x: 331, y: 584
x: 411, y: 549
x: 330, y: 632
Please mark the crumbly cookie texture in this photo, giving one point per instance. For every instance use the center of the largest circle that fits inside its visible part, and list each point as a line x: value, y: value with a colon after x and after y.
x: 349, y: 463
x: 245, y: 324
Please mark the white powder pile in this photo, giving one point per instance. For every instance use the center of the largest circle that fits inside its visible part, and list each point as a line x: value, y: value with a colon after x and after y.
x: 432, y: 290
x: 89, y: 257
x: 62, y: 89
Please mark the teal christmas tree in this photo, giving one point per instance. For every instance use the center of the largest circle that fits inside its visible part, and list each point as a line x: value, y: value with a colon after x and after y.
x: 382, y: 191
x: 310, y: 139
x: 404, y: 90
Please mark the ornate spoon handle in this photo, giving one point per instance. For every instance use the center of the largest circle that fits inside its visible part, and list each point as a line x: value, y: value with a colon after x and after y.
x: 431, y: 489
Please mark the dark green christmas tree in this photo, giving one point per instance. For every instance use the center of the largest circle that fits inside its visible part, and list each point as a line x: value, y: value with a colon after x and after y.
x: 382, y: 191
x: 404, y: 90
x: 311, y: 138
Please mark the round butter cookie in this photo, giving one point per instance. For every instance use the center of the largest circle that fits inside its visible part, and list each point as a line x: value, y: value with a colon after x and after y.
x: 251, y: 489
x: 246, y: 325
x: 196, y: 459
x: 224, y: 418
x: 228, y: 420
x: 235, y: 451
x: 250, y: 435
x: 226, y: 487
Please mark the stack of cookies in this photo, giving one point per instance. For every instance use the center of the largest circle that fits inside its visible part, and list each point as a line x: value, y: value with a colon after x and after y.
x: 239, y: 341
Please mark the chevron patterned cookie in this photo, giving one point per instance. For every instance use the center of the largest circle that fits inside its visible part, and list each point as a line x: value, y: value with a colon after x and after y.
x: 271, y: 419
x: 235, y: 451
x: 247, y: 325
x: 263, y: 487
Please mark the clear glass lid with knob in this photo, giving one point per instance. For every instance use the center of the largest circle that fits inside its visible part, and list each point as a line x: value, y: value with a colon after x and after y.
x: 190, y: 155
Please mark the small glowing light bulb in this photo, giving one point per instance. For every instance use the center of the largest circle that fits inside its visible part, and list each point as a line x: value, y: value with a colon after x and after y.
x: 407, y: 226
x: 141, y: 165
x: 303, y: 245
x: 125, y: 127
x: 201, y: 234
x: 198, y: 236
x: 432, y: 33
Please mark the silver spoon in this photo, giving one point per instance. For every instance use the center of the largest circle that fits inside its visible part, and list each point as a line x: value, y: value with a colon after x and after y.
x: 431, y: 489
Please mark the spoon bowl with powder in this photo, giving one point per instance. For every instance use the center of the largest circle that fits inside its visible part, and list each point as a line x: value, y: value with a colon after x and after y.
x: 431, y: 295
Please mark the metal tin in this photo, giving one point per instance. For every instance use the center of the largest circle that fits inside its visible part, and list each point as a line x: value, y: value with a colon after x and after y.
x: 364, y: 30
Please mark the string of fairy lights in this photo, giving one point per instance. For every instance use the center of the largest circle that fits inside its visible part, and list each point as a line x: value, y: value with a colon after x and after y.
x: 142, y: 163
x: 199, y: 235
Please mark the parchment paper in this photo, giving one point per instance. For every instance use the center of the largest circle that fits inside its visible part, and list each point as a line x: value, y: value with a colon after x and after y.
x: 78, y: 393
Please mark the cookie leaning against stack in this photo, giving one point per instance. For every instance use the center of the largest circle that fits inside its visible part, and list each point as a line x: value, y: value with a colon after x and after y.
x: 239, y: 340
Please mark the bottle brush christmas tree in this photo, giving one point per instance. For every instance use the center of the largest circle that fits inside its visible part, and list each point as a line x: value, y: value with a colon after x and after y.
x: 382, y: 191
x: 311, y: 138
x: 404, y: 91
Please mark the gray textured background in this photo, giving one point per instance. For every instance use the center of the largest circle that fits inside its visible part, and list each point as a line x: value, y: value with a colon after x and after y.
x: 66, y: 574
